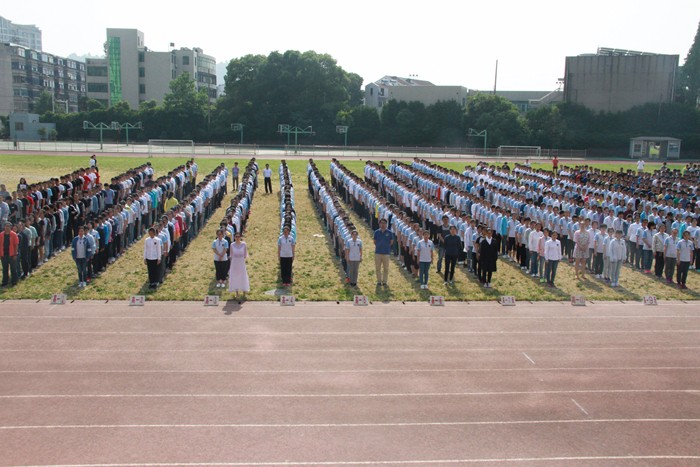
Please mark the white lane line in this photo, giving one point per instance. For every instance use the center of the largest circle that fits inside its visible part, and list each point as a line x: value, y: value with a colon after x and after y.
x: 579, y: 406
x: 382, y: 462
x: 355, y: 425
x: 389, y: 370
x: 356, y: 395
x: 373, y: 333
x: 528, y: 357
x: 347, y: 350
x: 362, y: 318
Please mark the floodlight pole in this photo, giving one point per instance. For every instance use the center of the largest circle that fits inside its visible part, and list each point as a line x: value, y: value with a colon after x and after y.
x: 238, y: 127
x: 480, y: 134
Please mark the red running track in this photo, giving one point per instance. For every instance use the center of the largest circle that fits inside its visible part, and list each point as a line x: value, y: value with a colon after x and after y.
x: 92, y: 383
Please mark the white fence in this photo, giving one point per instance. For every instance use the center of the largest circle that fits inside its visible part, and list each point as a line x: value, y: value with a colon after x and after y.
x: 260, y: 150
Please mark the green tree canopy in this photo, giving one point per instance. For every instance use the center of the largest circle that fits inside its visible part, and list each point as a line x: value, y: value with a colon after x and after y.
x: 689, y: 79
x: 297, y: 88
x: 498, y: 116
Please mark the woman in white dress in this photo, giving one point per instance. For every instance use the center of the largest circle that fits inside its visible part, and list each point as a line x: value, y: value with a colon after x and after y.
x: 237, y: 274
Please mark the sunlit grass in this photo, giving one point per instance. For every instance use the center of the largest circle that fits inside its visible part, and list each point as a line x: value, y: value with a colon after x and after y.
x: 317, y: 272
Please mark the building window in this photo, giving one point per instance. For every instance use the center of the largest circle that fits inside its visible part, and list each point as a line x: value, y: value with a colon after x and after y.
x: 371, y: 91
x: 142, y: 72
x: 97, y: 71
x: 185, y: 60
x: 98, y: 87
x: 142, y: 57
x: 142, y: 89
x: 173, y: 73
x: 19, y: 126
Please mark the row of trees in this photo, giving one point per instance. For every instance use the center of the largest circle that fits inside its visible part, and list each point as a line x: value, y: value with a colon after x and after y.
x: 310, y: 89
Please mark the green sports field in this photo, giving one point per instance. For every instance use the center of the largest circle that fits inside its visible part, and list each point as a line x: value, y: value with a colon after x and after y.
x: 318, y: 273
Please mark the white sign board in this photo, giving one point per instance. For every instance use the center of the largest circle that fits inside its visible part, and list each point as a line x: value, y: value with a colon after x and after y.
x: 507, y: 300
x: 58, y: 299
x: 578, y: 300
x: 287, y: 300
x: 211, y: 300
x: 360, y: 300
x: 137, y: 300
x: 437, y: 300
x: 650, y: 300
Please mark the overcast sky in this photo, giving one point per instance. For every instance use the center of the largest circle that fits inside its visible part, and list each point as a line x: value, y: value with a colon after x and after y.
x: 447, y: 42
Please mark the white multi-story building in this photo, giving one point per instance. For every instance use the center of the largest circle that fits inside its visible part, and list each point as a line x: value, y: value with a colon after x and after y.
x: 132, y: 73
x: 26, y: 35
x: 388, y: 88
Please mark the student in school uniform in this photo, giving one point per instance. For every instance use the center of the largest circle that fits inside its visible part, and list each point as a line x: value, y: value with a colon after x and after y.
x: 235, y: 171
x: 220, y: 248
x: 152, y: 256
x: 685, y: 250
x: 81, y: 249
x: 552, y: 256
x: 353, y: 257
x: 426, y: 253
x: 617, y: 251
x: 286, y: 246
x: 670, y: 255
x: 658, y: 242
x: 267, y: 175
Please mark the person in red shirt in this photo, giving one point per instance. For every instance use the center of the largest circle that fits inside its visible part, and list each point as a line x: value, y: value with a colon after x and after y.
x: 9, y: 246
x: 555, y: 165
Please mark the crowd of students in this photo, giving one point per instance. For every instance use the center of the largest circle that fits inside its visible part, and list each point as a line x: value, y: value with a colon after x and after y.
x: 230, y: 251
x: 286, y: 243
x: 180, y: 224
x: 46, y: 216
x: 346, y: 242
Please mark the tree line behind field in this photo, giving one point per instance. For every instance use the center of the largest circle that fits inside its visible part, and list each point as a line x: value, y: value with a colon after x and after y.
x: 309, y: 89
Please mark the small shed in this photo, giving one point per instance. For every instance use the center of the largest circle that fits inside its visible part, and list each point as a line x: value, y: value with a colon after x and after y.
x: 655, y: 147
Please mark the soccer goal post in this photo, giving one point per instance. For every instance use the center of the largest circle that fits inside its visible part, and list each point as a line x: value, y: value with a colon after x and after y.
x: 170, y: 146
x: 519, y: 151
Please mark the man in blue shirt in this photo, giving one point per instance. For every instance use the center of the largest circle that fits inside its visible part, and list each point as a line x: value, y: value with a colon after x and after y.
x: 383, y: 241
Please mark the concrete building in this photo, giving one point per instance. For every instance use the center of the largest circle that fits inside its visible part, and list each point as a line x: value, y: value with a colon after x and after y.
x: 132, y: 73
x: 26, y: 35
x: 26, y: 127
x: 30, y: 72
x: 377, y: 93
x: 616, y: 80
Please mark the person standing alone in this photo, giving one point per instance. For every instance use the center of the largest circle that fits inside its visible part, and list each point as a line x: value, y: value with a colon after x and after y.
x: 82, y: 251
x: 285, y: 251
x: 152, y: 251
x: 383, y: 241
x: 353, y: 256
x: 267, y: 174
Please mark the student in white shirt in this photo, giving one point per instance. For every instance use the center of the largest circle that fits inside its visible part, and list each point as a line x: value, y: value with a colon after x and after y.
x: 670, y: 255
x: 267, y: 174
x: 285, y: 251
x: 552, y: 256
x: 685, y: 249
x: 426, y: 253
x: 152, y: 250
x: 220, y: 247
x: 617, y: 253
x: 353, y: 256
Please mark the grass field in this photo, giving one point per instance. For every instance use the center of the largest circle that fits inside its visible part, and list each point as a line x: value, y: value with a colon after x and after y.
x: 318, y: 274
